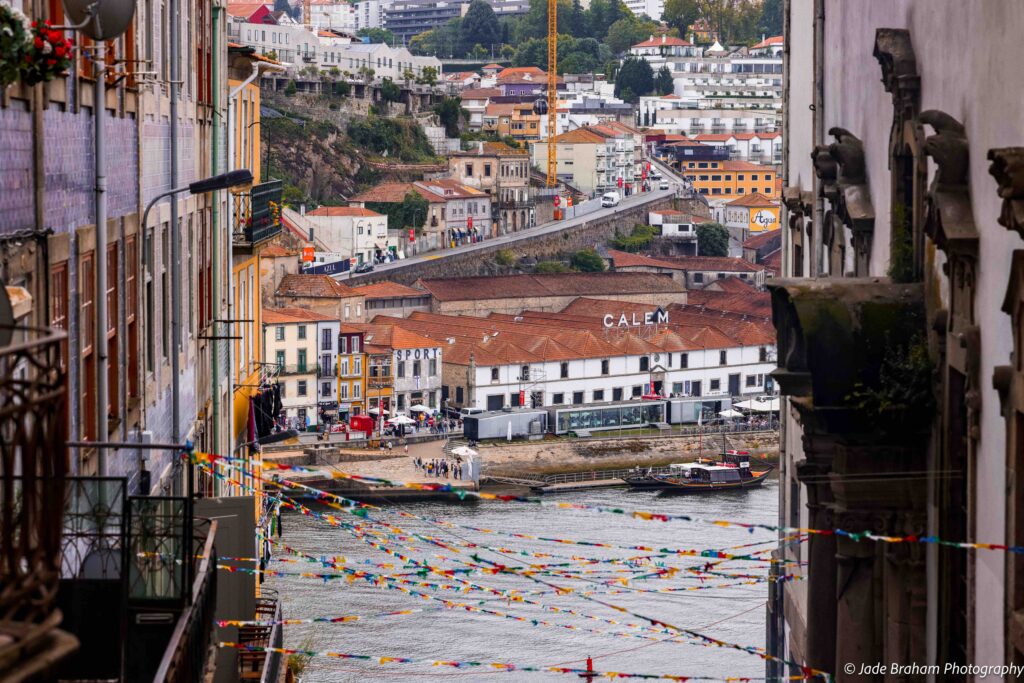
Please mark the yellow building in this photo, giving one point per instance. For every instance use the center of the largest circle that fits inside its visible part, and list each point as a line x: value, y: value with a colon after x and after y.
x: 351, y: 372
x: 727, y: 179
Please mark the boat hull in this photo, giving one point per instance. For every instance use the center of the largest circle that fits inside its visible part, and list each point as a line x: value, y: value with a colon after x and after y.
x: 675, y: 485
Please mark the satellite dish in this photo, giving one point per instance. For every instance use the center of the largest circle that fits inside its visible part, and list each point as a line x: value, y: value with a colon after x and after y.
x: 108, y: 19
x: 6, y: 317
x: 540, y: 107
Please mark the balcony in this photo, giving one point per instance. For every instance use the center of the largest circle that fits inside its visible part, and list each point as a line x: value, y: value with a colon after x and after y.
x: 295, y: 369
x: 262, y: 666
x: 258, y: 213
x: 327, y: 371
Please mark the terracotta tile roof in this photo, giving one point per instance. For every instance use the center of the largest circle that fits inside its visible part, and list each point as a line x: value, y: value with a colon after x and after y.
x: 563, y: 284
x: 387, y: 289
x: 761, y: 239
x: 685, y: 143
x: 334, y: 211
x: 580, y: 136
x: 284, y: 316
x: 499, y: 109
x: 745, y: 166
x: 490, y: 149
x: 275, y: 251
x: 245, y: 9
x: 479, y: 93
x: 757, y: 304
x: 730, y: 284
x: 753, y: 200
x: 773, y: 261
x: 769, y: 42
x: 664, y: 40
x: 714, y: 137
x: 521, y: 70
x: 314, y: 286
x: 447, y: 188
x: 624, y: 259
x: 725, y: 264
x: 392, y: 336
x: 492, y: 66
x: 393, y: 193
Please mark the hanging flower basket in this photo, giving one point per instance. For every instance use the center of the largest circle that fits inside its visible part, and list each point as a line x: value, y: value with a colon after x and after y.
x: 32, y: 52
x: 48, y: 54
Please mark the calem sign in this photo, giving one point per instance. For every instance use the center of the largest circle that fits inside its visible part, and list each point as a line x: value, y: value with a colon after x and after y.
x: 656, y: 317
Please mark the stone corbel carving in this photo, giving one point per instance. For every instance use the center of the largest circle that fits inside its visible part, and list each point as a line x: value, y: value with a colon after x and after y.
x: 950, y: 220
x: 970, y: 342
x: 853, y: 205
x: 895, y: 53
x: 826, y: 169
x: 1008, y: 169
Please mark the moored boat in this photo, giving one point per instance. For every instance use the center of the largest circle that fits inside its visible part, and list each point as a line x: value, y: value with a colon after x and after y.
x: 731, y: 473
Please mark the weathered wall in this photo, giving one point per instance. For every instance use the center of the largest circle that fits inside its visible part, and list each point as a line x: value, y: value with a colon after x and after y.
x: 480, y: 261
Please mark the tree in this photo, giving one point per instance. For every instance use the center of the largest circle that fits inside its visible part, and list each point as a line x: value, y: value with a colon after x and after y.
x: 389, y: 92
x: 635, y: 79
x: 770, y: 23
x: 411, y: 212
x: 624, y: 33
x: 479, y: 52
x: 548, y: 267
x: 587, y: 261
x: 505, y: 257
x: 290, y: 89
x: 479, y: 27
x: 664, y: 83
x: 428, y: 76
x: 712, y: 240
x: 450, y: 112
x: 377, y: 35
x: 679, y: 14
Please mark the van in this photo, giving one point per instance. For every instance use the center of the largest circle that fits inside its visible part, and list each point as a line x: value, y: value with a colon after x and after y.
x: 470, y: 411
x: 609, y: 199
x: 663, y: 185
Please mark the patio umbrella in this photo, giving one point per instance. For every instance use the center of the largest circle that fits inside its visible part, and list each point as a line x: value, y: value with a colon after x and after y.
x: 769, y: 406
x: 419, y: 408
x: 401, y: 420
x: 729, y: 412
x: 463, y: 452
x: 376, y: 411
x: 745, y: 405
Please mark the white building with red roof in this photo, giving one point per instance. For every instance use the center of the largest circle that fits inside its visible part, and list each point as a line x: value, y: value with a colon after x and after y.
x: 352, y: 231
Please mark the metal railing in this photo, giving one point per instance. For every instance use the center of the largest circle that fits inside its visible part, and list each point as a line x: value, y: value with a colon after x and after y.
x: 185, y: 658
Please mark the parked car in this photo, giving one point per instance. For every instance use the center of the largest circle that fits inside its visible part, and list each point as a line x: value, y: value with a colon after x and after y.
x: 654, y: 175
x: 609, y: 199
x: 663, y: 185
x: 470, y: 411
x: 365, y: 267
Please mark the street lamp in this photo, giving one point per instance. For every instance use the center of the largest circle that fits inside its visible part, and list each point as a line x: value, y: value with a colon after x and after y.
x: 211, y: 184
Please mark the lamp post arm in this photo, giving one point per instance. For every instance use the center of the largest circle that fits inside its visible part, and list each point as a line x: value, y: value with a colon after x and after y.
x: 154, y: 200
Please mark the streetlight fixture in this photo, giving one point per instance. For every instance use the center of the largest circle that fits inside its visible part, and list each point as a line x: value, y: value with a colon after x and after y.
x: 212, y: 184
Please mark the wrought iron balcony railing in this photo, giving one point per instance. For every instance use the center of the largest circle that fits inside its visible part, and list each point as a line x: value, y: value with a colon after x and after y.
x: 258, y: 213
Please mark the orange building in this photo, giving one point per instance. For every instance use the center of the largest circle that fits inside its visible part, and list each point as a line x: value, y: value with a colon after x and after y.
x: 731, y: 178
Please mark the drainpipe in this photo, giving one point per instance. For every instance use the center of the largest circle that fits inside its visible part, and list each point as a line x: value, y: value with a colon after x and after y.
x: 215, y: 238
x: 100, y: 287
x: 175, y: 238
x: 816, y: 260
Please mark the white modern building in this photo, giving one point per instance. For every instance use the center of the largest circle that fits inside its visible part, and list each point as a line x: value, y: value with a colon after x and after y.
x: 581, y: 356
x: 351, y: 230
x: 327, y: 370
x: 370, y: 13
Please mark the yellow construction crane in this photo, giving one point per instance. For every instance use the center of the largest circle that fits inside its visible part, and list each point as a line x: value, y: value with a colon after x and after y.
x: 552, y: 90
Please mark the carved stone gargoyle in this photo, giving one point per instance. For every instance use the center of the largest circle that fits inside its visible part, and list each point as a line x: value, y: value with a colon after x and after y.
x: 895, y: 53
x: 1008, y: 170
x: 854, y: 204
x: 826, y: 168
x: 950, y: 221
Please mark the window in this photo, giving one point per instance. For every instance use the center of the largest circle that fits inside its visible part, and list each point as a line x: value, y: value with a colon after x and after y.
x: 494, y: 374
x: 343, y: 390
x: 357, y: 390
x: 459, y: 395
x: 400, y: 371
x: 279, y: 333
x: 698, y: 277
x: 751, y: 380
x: 598, y: 394
x: 59, y: 305
x: 762, y: 354
x: 684, y: 360
x: 604, y: 367
x: 739, y: 176
x: 433, y: 367
x: 753, y: 176
x: 645, y: 363
x: 767, y: 190
x: 342, y: 344
x: 715, y: 385
x: 280, y: 359
x: 564, y: 370
x: 716, y: 177
x: 325, y: 388
x: 677, y: 388
x: 355, y: 344
x: 302, y: 360
x: 722, y: 357
x: 524, y: 372
x: 302, y: 331
x: 357, y: 366
x: 88, y: 386
x: 326, y: 342
x: 487, y: 170
x: 284, y: 389
x: 417, y: 368
x: 702, y: 164
x: 577, y: 398
x: 617, y: 394
x: 343, y: 367
x: 348, y: 312
x: 469, y: 169
x: 301, y: 387
x: 557, y: 399
x: 638, y: 391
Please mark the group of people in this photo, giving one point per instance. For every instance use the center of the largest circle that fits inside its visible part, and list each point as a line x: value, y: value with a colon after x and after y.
x: 440, y: 467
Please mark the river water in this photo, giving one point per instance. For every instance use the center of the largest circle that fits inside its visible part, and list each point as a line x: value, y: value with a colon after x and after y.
x: 729, y: 613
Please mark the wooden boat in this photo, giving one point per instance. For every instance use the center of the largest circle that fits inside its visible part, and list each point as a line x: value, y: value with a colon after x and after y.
x: 733, y: 472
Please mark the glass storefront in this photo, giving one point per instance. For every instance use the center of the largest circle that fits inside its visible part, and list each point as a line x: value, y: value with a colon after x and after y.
x: 616, y: 416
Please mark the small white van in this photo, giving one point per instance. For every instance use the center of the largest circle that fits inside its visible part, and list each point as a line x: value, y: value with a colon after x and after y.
x: 609, y: 199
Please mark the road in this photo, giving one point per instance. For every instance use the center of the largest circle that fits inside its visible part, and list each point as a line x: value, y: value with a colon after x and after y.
x: 512, y: 238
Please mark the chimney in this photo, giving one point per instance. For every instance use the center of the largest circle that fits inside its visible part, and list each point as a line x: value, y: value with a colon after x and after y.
x: 693, y: 37
x: 763, y: 38
x: 480, y: 146
x: 302, y: 209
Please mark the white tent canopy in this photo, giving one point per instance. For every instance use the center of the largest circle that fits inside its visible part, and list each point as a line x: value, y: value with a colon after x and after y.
x: 376, y: 411
x: 463, y: 452
x: 759, y: 405
x: 420, y: 408
x: 729, y: 412
x: 401, y: 420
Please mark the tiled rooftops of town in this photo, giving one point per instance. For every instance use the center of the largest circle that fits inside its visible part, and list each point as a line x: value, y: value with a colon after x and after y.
x: 284, y: 316
x: 753, y: 200
x: 333, y: 211
x: 562, y: 284
x: 761, y: 239
x: 387, y: 290
x: 317, y: 286
x: 731, y: 284
x: 625, y: 259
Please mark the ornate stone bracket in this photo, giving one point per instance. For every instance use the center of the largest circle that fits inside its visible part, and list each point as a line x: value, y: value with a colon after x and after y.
x: 950, y: 220
x: 1008, y: 169
x: 853, y: 201
x: 895, y: 53
x: 826, y: 168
